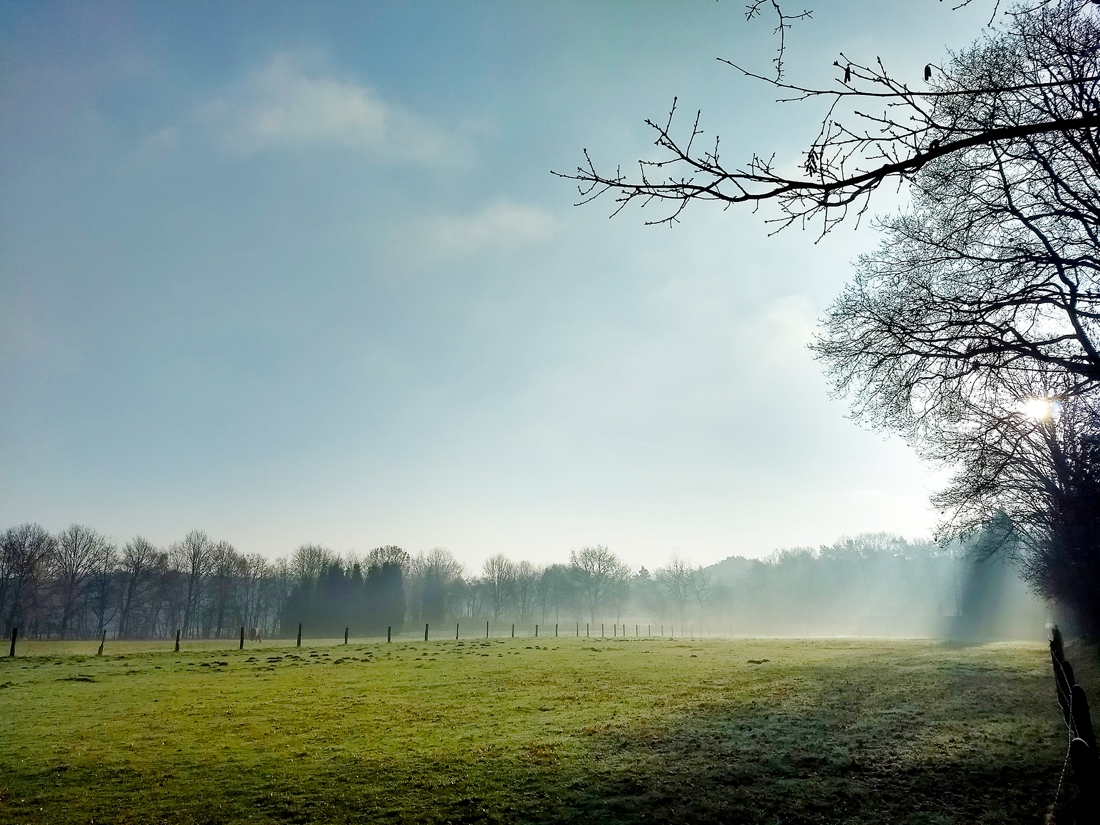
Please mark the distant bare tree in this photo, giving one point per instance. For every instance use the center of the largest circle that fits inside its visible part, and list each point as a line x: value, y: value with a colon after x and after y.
x: 524, y: 589
x: 101, y: 586
x: 675, y: 579
x: 499, y: 576
x: 225, y: 569
x: 140, y: 561
x: 255, y: 576
x: 309, y: 561
x: 26, y: 554
x: 435, y: 575
x: 701, y: 587
x: 77, y: 550
x: 555, y: 591
x: 598, y: 574
x: 192, y: 557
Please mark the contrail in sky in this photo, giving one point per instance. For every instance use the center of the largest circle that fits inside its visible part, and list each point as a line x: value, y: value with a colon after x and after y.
x: 632, y: 441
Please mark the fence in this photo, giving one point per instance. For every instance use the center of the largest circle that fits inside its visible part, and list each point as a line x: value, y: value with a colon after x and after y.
x: 1081, y: 753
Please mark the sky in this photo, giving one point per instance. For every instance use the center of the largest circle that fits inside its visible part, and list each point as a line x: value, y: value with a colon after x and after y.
x: 293, y: 273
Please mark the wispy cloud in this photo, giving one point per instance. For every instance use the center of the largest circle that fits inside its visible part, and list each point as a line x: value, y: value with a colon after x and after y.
x: 503, y: 225
x: 294, y: 101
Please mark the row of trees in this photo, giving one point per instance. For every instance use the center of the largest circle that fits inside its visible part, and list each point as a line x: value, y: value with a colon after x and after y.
x: 78, y: 584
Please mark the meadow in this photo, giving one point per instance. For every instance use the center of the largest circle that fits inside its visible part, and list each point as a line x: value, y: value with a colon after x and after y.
x: 531, y: 730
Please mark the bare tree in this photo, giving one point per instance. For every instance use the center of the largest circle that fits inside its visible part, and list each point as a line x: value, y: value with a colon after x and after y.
x: 598, y: 574
x: 140, y: 560
x: 192, y: 557
x: 225, y: 569
x: 74, y: 560
x: 26, y: 554
x: 701, y: 587
x: 434, y: 577
x: 675, y: 580
x: 499, y: 576
x: 524, y: 589
x: 102, y: 585
x: 555, y: 590
x: 309, y: 561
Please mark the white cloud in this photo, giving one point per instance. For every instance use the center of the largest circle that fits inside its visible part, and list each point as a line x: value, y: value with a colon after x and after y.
x: 291, y: 102
x: 504, y: 225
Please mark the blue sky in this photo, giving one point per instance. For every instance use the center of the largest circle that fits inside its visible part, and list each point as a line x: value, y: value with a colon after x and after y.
x: 299, y: 272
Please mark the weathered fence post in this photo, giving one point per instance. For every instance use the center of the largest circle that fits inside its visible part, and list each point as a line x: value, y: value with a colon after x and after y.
x: 456, y: 631
x: 513, y: 631
x: 425, y: 631
x: 14, y: 634
x: 587, y: 630
x: 299, y: 644
x: 486, y: 630
x: 388, y: 629
x: 536, y: 631
x: 346, y: 629
x: 602, y: 634
x: 177, y: 640
x: 242, y: 639
x: 555, y: 631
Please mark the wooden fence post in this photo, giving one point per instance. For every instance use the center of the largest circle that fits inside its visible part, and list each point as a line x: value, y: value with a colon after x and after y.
x: 425, y: 631
x: 242, y: 639
x: 555, y: 631
x: 177, y: 640
x: 513, y: 631
x: 456, y: 631
x: 388, y: 629
x: 602, y: 634
x: 346, y: 629
x: 486, y: 630
x: 536, y: 631
x: 1082, y: 747
x: 299, y: 644
x: 14, y: 634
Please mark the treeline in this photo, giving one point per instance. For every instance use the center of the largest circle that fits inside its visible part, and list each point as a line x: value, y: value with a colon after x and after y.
x: 78, y: 584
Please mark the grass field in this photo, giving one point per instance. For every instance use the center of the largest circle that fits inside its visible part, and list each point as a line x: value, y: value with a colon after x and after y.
x: 531, y: 730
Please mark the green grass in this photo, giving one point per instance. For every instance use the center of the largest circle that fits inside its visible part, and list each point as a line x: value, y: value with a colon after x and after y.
x: 530, y: 730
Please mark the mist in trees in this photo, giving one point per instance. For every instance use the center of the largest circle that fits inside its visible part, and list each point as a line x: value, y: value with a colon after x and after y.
x: 78, y: 584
